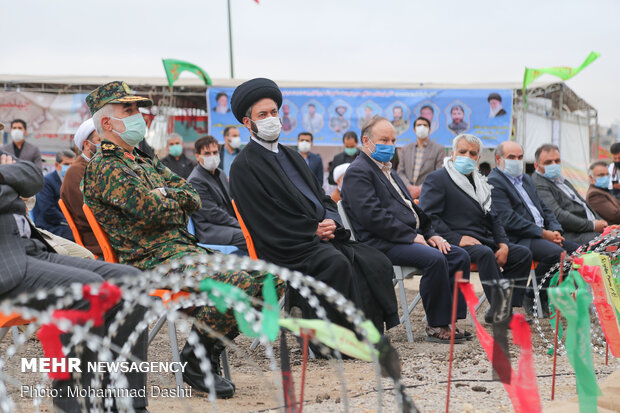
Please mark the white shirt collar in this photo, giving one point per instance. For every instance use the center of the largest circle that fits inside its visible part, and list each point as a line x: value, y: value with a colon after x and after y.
x: 271, y: 146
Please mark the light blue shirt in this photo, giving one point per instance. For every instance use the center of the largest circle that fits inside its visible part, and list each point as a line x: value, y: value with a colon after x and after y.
x: 518, y: 184
x: 228, y: 160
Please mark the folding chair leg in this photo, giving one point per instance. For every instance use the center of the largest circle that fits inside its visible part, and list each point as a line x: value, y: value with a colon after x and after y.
x: 481, y: 301
x: 156, y: 328
x: 225, y: 365
x: 256, y: 341
x: 174, y: 346
x: 15, y: 332
x: 403, y: 302
x: 536, y: 294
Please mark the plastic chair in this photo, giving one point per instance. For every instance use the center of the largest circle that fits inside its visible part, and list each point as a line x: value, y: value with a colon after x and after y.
x: 246, y: 233
x: 109, y: 255
x: 71, y: 222
x: 10, y: 322
x: 400, y: 273
x: 224, y: 249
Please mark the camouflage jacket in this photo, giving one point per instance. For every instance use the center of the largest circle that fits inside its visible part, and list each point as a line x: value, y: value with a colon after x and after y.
x: 144, y: 227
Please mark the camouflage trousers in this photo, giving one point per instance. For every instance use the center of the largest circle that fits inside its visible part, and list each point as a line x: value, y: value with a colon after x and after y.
x: 224, y: 322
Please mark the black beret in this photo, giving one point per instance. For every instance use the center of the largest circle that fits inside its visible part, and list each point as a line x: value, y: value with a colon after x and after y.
x: 250, y: 92
x: 495, y: 96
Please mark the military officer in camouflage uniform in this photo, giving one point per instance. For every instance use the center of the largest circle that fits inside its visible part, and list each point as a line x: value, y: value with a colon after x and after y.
x: 144, y: 209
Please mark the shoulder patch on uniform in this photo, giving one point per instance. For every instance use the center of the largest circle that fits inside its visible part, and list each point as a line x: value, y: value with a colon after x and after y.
x: 128, y: 171
x: 108, y: 148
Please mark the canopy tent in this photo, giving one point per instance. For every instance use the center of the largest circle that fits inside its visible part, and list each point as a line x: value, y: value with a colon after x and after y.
x: 555, y: 113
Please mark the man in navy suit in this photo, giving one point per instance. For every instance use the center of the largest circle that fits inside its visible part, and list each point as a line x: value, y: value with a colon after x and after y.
x: 527, y: 220
x: 46, y: 212
x: 383, y: 215
x: 458, y: 199
x: 313, y: 160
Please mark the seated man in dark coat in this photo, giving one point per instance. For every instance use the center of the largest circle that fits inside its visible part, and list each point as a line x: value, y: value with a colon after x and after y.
x: 580, y: 223
x: 458, y: 199
x: 383, y: 215
x: 176, y: 159
x: 291, y: 220
x: 215, y: 222
x: 314, y: 160
x: 526, y: 218
x: 349, y: 139
x: 47, y: 214
x: 599, y: 197
x: 29, y: 264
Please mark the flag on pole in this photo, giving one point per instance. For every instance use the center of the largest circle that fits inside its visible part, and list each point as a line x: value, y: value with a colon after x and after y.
x: 174, y: 68
x: 563, y: 72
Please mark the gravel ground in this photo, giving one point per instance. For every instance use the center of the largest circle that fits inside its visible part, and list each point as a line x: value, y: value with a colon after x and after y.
x: 424, y: 370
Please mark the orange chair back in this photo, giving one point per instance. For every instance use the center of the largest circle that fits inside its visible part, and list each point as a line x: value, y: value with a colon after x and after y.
x: 11, y: 320
x: 109, y: 255
x: 246, y: 233
x: 166, y: 296
x: 71, y: 222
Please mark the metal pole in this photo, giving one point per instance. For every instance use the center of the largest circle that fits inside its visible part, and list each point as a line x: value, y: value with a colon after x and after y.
x: 523, y: 124
x: 597, y: 135
x: 561, y: 103
x: 230, y: 46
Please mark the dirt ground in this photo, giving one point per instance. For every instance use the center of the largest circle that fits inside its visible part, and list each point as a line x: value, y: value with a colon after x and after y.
x: 424, y: 370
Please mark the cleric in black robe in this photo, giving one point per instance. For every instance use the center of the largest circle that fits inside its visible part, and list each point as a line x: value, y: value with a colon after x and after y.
x: 292, y: 222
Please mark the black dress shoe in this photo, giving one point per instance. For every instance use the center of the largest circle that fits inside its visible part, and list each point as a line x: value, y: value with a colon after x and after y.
x: 528, y: 306
x: 194, y: 376
x: 488, y: 316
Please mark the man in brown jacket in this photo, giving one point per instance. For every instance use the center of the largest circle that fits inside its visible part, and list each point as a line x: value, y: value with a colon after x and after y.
x: 86, y: 140
x: 420, y: 158
x: 599, y: 197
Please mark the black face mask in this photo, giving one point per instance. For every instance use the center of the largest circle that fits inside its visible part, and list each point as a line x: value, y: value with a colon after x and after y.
x: 617, y: 165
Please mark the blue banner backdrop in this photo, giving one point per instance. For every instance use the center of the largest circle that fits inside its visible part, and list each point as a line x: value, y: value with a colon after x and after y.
x: 328, y: 113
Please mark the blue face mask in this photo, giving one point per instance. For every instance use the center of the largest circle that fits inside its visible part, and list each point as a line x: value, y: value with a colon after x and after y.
x: 383, y: 153
x: 553, y: 171
x: 513, y: 167
x: 602, y: 182
x: 135, y: 129
x: 464, y: 164
x: 63, y: 170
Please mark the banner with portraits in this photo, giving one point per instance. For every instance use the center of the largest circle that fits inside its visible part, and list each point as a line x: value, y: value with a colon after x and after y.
x: 328, y: 113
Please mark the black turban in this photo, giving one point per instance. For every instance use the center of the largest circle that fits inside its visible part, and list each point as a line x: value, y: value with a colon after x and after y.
x: 250, y: 92
x: 495, y: 96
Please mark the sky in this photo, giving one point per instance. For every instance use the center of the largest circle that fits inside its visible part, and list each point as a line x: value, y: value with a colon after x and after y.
x: 324, y: 40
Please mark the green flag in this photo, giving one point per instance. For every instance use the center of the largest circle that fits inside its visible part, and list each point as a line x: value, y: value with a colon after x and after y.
x: 574, y: 304
x: 271, y: 311
x: 562, y: 72
x: 335, y: 336
x: 174, y: 68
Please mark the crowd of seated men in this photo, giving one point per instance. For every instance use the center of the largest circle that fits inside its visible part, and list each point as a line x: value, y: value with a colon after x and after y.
x: 433, y: 212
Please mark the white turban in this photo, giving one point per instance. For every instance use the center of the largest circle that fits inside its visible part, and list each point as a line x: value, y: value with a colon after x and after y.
x: 83, y: 132
x: 340, y: 170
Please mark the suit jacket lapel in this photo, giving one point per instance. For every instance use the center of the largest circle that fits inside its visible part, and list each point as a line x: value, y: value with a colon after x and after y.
x: 375, y: 168
x: 526, y: 189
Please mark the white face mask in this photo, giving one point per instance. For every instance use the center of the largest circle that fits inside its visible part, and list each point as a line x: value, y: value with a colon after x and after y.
x: 269, y: 128
x: 211, y: 162
x: 421, y: 131
x: 17, y: 135
x: 304, y: 146
x: 235, y: 142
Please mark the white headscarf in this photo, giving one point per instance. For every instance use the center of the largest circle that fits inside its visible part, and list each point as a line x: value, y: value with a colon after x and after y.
x: 482, y: 193
x: 83, y: 132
